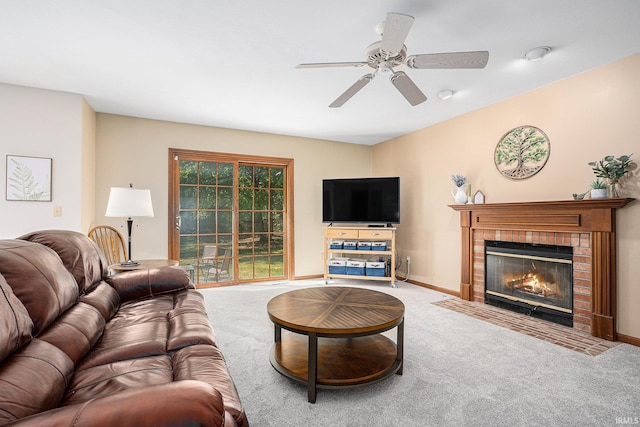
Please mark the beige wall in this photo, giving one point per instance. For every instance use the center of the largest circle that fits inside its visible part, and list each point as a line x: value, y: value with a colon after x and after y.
x: 131, y: 150
x: 45, y: 123
x: 88, y: 166
x: 585, y: 117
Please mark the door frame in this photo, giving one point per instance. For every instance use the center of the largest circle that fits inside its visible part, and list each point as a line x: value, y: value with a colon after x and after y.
x: 198, y: 155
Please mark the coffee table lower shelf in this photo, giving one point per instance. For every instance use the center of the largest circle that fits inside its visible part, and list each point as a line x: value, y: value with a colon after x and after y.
x: 342, y: 362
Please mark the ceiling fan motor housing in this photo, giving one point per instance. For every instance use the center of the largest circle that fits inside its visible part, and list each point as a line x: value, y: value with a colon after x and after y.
x: 376, y: 59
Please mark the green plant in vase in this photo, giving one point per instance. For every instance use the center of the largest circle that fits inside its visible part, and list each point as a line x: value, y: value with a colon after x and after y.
x: 612, y: 169
x: 598, y: 189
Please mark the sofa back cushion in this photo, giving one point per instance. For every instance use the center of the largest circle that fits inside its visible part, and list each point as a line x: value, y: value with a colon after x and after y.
x: 39, y: 280
x: 15, y: 323
x: 78, y: 253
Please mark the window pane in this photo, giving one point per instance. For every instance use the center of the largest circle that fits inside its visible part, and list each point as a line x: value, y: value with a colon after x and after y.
x: 245, y: 244
x: 207, y: 173
x: 225, y: 222
x: 277, y: 243
x: 245, y: 176
x: 225, y: 198
x: 246, y: 222
x: 261, y: 267
x: 277, y: 200
x: 260, y: 223
x: 188, y: 247
x: 277, y: 222
x: 245, y: 199
x: 245, y: 265
x: 261, y: 246
x: 261, y: 179
x: 277, y: 178
x: 188, y: 172
x: 262, y: 200
x: 207, y: 222
x: 277, y: 266
x: 225, y: 174
x: 188, y: 197
x: 187, y: 222
x: 207, y: 197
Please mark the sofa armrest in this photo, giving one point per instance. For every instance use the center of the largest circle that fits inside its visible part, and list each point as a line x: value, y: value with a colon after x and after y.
x: 181, y: 403
x: 148, y: 282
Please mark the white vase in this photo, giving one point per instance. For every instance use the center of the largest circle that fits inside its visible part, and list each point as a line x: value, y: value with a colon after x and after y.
x: 598, y: 193
x: 460, y: 194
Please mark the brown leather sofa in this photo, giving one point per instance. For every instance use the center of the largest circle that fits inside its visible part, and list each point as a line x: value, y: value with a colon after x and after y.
x: 78, y: 348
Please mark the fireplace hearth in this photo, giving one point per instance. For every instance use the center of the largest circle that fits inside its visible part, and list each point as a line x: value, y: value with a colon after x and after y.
x: 533, y: 279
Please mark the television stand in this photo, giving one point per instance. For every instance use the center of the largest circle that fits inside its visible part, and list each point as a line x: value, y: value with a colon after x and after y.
x: 361, y: 235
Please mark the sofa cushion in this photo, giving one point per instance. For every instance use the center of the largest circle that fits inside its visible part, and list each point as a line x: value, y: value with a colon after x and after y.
x: 33, y: 380
x: 139, y: 329
x: 112, y: 378
x: 78, y: 253
x: 188, y: 322
x: 15, y: 323
x: 182, y: 403
x: 103, y: 298
x: 39, y: 280
x: 149, y: 282
x: 206, y: 363
x: 76, y: 331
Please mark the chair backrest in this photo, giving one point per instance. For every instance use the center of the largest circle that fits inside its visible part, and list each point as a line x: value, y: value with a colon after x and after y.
x: 110, y: 242
x: 226, y: 261
x: 209, y: 252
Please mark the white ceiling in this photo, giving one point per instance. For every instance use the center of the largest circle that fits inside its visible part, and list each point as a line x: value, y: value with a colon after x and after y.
x: 230, y: 63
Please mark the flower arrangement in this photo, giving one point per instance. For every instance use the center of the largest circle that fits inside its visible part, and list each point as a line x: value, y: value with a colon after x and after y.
x: 612, y: 169
x: 459, y: 180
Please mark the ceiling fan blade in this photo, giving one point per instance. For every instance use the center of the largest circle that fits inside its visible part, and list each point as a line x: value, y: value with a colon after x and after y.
x: 355, y: 88
x: 477, y: 59
x: 396, y: 30
x: 407, y: 88
x: 331, y: 64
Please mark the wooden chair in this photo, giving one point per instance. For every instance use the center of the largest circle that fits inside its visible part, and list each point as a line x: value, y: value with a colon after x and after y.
x: 110, y: 242
x: 223, y: 270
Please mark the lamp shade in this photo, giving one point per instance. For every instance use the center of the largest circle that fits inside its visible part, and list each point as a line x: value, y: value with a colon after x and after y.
x: 129, y: 202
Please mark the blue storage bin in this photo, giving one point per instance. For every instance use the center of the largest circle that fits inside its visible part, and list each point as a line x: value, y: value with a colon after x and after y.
x: 364, y: 246
x: 337, y: 266
x: 378, y: 246
x: 336, y: 244
x: 349, y: 246
x: 356, y: 267
x: 375, y: 269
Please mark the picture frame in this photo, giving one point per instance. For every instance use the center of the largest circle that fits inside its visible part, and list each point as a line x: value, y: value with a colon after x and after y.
x: 28, y: 178
x: 478, y: 197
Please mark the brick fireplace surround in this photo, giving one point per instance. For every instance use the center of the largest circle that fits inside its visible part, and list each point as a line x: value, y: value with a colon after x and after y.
x: 588, y: 226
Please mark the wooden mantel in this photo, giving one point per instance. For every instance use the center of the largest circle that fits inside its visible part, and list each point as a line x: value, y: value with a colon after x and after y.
x: 596, y: 217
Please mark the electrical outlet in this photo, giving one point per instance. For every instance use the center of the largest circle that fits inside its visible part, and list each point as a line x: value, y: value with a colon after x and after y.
x: 408, y: 260
x: 57, y: 211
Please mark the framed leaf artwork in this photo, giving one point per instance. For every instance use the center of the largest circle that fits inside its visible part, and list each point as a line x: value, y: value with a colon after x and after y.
x: 28, y: 178
x: 522, y: 152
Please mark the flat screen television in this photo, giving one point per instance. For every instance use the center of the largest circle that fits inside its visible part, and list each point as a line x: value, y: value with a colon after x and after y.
x: 361, y: 200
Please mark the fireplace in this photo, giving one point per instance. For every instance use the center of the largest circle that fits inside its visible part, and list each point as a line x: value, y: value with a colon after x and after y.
x: 534, y: 279
x: 588, y: 226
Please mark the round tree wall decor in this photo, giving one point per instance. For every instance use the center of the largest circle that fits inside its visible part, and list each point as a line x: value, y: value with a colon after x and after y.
x: 522, y: 152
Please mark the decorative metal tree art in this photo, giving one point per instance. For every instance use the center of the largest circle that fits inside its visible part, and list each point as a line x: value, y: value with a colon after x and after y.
x: 522, y: 152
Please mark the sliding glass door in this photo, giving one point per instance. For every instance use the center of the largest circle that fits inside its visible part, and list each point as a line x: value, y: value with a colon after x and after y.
x: 230, y: 217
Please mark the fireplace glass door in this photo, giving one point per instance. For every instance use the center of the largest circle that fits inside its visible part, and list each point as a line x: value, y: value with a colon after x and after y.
x: 537, y: 275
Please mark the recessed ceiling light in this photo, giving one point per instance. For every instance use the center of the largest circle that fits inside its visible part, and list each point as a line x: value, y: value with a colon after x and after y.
x: 537, y: 53
x: 445, y: 94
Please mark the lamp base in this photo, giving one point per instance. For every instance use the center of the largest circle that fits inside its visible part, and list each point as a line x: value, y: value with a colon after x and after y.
x: 129, y: 263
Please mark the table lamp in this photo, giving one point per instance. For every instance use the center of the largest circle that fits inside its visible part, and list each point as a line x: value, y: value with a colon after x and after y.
x: 128, y: 203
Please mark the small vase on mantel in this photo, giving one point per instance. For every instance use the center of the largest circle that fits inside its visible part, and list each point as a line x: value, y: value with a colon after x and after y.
x: 460, y: 194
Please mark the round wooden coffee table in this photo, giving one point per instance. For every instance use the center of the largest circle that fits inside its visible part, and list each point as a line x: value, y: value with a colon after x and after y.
x: 344, y: 346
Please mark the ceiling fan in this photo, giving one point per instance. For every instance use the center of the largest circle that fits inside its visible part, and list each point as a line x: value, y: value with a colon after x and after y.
x: 391, y: 52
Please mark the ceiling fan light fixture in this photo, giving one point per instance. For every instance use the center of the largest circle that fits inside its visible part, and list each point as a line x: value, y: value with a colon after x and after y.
x: 537, y: 53
x: 445, y: 94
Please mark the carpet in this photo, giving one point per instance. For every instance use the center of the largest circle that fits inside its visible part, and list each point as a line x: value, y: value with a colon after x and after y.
x: 458, y: 370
